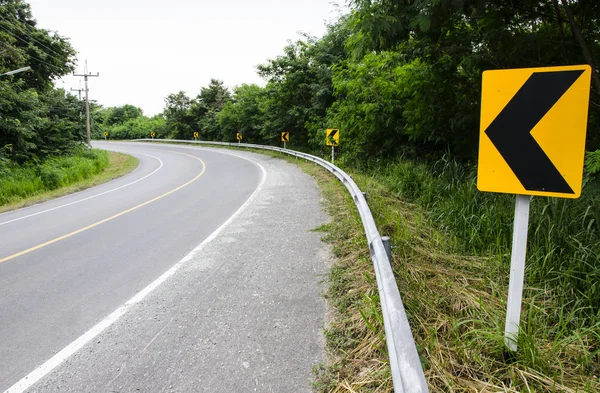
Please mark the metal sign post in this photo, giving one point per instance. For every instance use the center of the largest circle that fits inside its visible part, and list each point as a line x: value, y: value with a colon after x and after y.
x: 332, y: 153
x: 517, y: 271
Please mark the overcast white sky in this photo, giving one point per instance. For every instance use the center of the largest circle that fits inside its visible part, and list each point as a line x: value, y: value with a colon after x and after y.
x: 147, y: 49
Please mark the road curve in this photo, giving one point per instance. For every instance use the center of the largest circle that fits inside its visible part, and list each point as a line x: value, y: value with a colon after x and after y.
x: 68, y: 264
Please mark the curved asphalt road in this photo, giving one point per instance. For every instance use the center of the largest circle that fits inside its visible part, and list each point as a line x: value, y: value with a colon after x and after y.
x: 68, y: 263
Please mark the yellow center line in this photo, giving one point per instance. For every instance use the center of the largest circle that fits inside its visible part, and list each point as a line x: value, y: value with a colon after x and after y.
x: 18, y: 254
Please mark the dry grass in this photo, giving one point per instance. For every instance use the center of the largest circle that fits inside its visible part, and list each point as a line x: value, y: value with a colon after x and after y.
x: 456, y: 306
x: 355, y: 336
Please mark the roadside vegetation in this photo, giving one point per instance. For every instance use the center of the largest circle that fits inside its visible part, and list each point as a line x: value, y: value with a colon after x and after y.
x: 24, y: 185
x: 37, y: 120
x: 126, y: 122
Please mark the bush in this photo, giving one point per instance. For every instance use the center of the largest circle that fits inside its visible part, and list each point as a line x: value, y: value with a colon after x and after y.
x: 52, y: 177
x: 18, y: 182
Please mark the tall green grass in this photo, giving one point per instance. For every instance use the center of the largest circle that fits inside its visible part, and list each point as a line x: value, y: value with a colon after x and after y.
x: 19, y: 182
x: 563, y: 255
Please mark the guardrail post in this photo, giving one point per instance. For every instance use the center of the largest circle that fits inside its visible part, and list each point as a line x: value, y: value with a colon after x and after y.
x: 364, y: 195
x: 388, y: 246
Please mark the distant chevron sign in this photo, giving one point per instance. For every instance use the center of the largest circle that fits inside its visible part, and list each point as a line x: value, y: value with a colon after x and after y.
x: 333, y: 137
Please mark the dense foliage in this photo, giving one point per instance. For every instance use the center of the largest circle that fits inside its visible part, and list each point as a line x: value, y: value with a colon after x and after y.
x: 36, y: 119
x: 126, y: 122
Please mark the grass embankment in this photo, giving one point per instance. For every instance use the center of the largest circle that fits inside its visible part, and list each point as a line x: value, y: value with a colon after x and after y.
x: 451, y: 262
x: 22, y: 186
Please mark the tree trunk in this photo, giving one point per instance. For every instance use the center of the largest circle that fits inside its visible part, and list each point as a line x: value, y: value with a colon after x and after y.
x: 559, y: 20
x: 586, y: 50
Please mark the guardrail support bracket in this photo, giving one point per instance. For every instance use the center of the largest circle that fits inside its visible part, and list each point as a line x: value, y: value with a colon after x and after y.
x: 388, y: 247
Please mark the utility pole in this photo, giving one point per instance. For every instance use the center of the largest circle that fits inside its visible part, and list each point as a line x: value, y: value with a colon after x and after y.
x: 86, y: 75
x: 79, y: 91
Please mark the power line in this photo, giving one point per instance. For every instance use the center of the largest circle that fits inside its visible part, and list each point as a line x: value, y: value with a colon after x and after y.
x: 28, y: 35
x: 79, y: 90
x: 31, y: 56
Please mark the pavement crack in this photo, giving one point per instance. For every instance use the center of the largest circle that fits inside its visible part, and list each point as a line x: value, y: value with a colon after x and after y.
x: 157, y: 334
x: 117, y: 376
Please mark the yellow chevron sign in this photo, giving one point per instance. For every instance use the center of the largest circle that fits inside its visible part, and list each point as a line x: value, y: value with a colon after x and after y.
x: 333, y: 137
x: 532, y: 132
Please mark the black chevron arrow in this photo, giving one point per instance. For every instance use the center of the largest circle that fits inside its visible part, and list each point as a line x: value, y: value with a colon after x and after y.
x: 331, y: 136
x: 510, y: 131
x: 286, y: 137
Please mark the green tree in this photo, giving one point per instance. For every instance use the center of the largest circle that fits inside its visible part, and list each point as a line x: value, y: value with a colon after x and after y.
x: 121, y: 114
x: 211, y: 100
x: 457, y: 40
x: 179, y: 119
x: 243, y: 114
x: 299, y: 88
x: 36, y: 120
x: 22, y: 43
x: 60, y: 128
x: 19, y: 110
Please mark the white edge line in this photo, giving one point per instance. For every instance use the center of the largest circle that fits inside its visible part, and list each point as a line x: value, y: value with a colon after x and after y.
x: 90, y: 197
x: 56, y: 360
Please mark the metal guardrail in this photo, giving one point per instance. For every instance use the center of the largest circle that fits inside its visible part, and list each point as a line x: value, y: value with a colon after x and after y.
x: 407, y: 372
